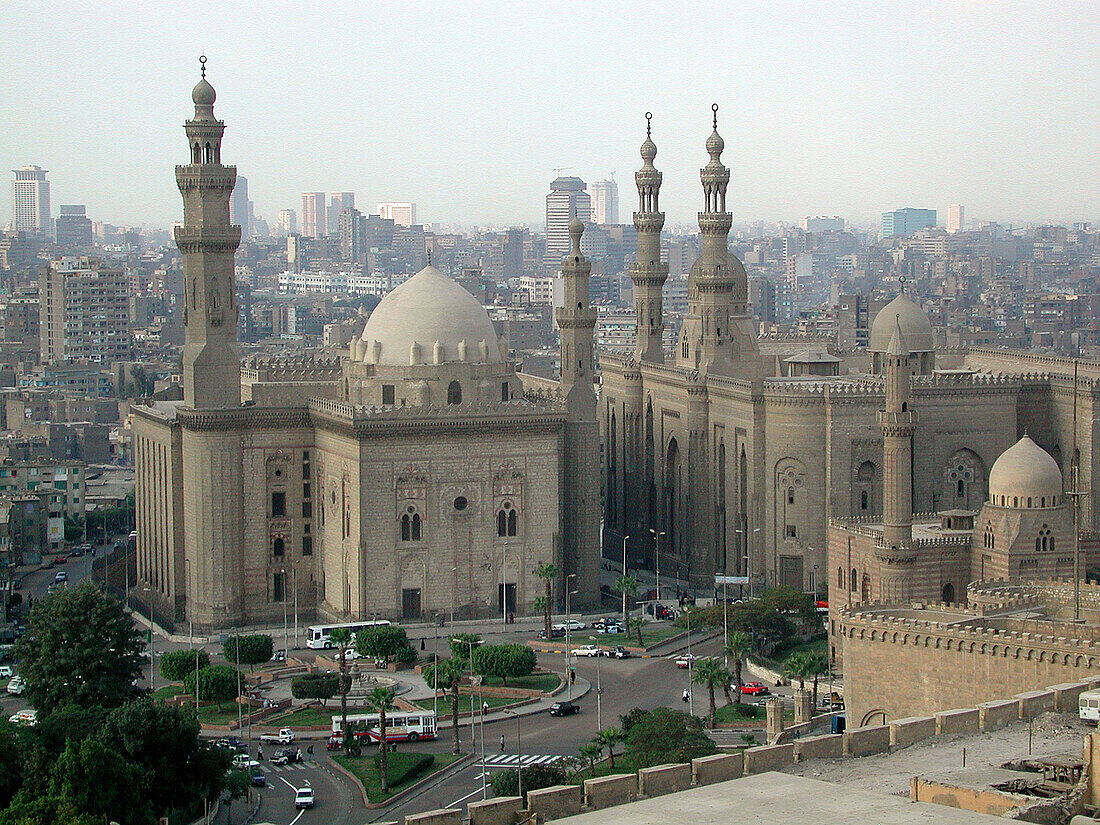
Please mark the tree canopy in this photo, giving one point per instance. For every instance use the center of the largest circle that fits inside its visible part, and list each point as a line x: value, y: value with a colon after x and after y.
x: 665, y: 735
x: 248, y: 650
x: 216, y: 683
x: 176, y: 664
x: 321, y: 686
x: 504, y: 661
x: 384, y: 642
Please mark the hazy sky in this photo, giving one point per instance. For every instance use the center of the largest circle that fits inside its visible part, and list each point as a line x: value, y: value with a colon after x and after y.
x: 845, y: 108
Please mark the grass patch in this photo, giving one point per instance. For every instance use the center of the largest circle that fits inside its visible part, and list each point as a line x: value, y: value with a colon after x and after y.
x: 307, y: 717
x: 169, y: 691
x: 463, y: 703
x: 623, y: 764
x: 820, y: 646
x: 544, y: 682
x: 210, y: 715
x: 652, y: 635
x: 402, y: 770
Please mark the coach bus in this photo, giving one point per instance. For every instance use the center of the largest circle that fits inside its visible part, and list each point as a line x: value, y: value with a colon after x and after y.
x: 319, y: 636
x: 401, y: 726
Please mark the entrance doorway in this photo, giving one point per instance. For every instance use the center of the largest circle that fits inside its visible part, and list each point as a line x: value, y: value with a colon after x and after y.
x: 506, y: 599
x: 410, y: 603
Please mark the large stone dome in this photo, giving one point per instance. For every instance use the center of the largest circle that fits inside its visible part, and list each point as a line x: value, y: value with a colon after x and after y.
x: 915, y: 326
x: 1025, y: 476
x: 428, y: 310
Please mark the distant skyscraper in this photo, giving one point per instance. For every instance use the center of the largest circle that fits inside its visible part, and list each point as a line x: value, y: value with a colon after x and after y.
x: 567, y: 196
x: 822, y: 224
x: 288, y: 221
x: 314, y: 224
x: 904, y: 222
x: 955, y: 218
x: 402, y: 214
x: 84, y: 309
x: 73, y: 228
x: 339, y: 201
x: 30, y: 201
x: 605, y: 202
x: 238, y: 206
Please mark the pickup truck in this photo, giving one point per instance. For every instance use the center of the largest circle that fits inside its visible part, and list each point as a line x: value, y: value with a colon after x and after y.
x: 284, y: 737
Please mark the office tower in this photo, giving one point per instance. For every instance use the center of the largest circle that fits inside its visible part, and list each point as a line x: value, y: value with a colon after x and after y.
x: 351, y: 227
x: 313, y: 215
x: 339, y: 201
x: 605, y: 202
x: 955, y: 218
x: 901, y: 223
x: 288, y: 221
x: 84, y: 311
x: 238, y: 206
x: 402, y: 214
x: 73, y: 227
x: 514, y: 241
x: 567, y: 198
x: 30, y: 201
x: 822, y: 224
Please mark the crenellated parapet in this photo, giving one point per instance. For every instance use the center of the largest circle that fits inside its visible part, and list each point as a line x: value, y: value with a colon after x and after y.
x: 293, y: 368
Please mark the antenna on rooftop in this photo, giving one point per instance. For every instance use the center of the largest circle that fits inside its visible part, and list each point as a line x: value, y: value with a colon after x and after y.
x: 559, y: 169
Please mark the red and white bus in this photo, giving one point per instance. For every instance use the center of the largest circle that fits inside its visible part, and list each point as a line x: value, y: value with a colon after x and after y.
x: 401, y: 726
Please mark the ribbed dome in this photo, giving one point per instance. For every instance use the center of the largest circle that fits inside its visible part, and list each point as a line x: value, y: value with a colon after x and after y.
x: 1025, y: 476
x: 426, y: 310
x: 914, y: 323
x: 203, y: 94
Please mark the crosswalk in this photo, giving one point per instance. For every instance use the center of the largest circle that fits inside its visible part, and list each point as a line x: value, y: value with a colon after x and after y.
x: 295, y: 766
x: 513, y: 760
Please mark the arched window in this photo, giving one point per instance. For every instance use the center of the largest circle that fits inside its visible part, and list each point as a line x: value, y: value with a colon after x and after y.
x: 502, y: 523
x: 684, y: 349
x: 209, y: 157
x: 411, y: 525
x: 278, y: 547
x: 863, y: 500
x: 454, y: 393
x: 855, y: 581
x: 949, y: 593
x: 790, y: 495
x: 416, y: 527
x: 840, y: 577
x: 507, y: 521
x: 406, y: 528
x: 196, y: 154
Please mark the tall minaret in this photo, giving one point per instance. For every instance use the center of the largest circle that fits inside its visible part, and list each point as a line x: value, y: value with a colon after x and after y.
x: 211, y: 358
x: 898, y: 423
x: 576, y: 320
x: 647, y: 272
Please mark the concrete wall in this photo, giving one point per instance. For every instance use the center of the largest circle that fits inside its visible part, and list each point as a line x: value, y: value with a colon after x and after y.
x: 825, y: 746
x: 555, y: 802
x: 1067, y: 695
x: 998, y: 713
x: 994, y: 803
x: 1034, y: 702
x: 904, y: 732
x: 611, y: 790
x: 664, y: 779
x: 717, y: 768
x: 440, y: 816
x: 499, y: 811
x: 865, y: 741
x: 959, y: 720
x: 768, y: 758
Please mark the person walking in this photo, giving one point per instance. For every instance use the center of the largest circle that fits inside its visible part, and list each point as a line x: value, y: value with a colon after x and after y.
x: 685, y: 696
x: 260, y: 753
x: 484, y: 708
x: 502, y: 743
x: 309, y: 752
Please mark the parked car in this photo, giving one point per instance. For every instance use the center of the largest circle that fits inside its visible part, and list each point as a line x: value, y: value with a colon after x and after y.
x: 28, y: 717
x: 16, y: 686
x: 571, y: 625
x: 245, y: 762
x: 62, y: 559
x: 555, y: 633
x: 286, y: 756
x: 564, y: 709
x: 60, y: 577
x: 6, y: 672
x: 684, y: 662
x: 588, y: 650
x: 303, y: 797
x: 610, y: 629
x: 619, y: 652
x: 258, y: 779
x: 755, y: 689
x: 284, y: 737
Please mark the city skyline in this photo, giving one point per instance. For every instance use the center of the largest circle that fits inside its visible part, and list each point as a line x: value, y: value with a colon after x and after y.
x: 852, y: 111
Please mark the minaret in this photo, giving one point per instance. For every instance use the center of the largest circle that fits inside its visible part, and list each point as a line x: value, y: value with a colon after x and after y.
x: 898, y: 423
x: 211, y: 358
x: 647, y: 272
x: 576, y: 320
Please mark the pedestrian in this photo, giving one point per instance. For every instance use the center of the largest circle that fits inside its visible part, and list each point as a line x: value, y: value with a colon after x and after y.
x: 502, y: 743
x: 484, y: 708
x: 309, y: 752
x: 572, y: 676
x: 260, y: 754
x: 421, y: 642
x: 685, y: 696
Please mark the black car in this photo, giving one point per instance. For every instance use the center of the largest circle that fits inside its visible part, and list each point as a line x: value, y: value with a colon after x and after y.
x: 564, y: 709
x: 619, y: 653
x: 258, y: 779
x: 286, y: 756
x: 555, y: 633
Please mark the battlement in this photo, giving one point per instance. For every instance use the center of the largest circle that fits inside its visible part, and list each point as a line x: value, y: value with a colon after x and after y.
x: 1037, y: 363
x: 474, y: 414
x: 297, y: 368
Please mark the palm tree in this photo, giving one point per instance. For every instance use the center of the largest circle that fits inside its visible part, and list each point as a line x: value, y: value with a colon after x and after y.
x: 637, y: 624
x: 591, y: 752
x: 547, y: 572
x: 609, y: 738
x: 341, y: 637
x: 447, y: 674
x: 379, y: 700
x: 817, y: 665
x: 710, y: 672
x: 737, y: 648
x: 626, y: 586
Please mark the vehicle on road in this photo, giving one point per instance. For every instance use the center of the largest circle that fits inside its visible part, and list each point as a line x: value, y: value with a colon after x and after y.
x: 62, y: 559
x: 28, y: 717
x: 286, y: 756
x: 319, y: 636
x: 610, y: 629
x: 555, y: 633
x: 570, y: 625
x: 400, y: 726
x: 284, y: 737
x: 231, y: 743
x: 588, y: 650
x: 684, y: 662
x: 335, y: 742
x: 619, y: 652
x: 258, y: 779
x: 245, y: 762
x: 6, y: 672
x: 303, y: 797
x: 16, y: 686
x: 755, y: 689
x: 564, y: 709
x: 60, y: 577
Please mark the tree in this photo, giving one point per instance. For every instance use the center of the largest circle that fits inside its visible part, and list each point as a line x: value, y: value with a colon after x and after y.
x: 237, y: 782
x: 94, y: 779
x: 320, y: 686
x: 737, y: 648
x: 665, y: 735
x: 609, y: 738
x: 249, y: 650
x: 548, y: 573
x: 513, y: 660
x: 636, y: 624
x: 626, y: 586
x: 174, y: 666
x: 806, y: 664
x: 383, y: 642
x: 591, y: 751
x: 712, y: 673
x: 447, y: 675
x: 341, y: 637
x: 215, y: 683
x: 379, y: 701
x: 11, y: 764
x: 81, y: 649
x: 461, y: 642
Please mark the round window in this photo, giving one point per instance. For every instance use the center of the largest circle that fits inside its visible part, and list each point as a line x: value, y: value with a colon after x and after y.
x: 460, y: 503
x: 278, y: 474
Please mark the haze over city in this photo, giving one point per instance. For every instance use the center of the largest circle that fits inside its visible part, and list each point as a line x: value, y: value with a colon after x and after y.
x: 468, y: 108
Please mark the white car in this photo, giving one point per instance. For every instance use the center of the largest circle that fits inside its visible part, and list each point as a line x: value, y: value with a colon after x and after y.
x: 588, y: 650
x: 6, y: 672
x: 570, y: 625
x: 16, y: 686
x: 245, y: 762
x: 27, y: 717
x: 303, y: 797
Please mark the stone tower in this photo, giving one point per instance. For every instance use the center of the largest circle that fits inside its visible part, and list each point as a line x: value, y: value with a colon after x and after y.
x: 581, y: 517
x: 207, y: 240
x: 648, y: 272
x: 898, y: 423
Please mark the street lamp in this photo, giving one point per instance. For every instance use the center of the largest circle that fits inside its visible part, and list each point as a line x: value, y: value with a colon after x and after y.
x: 625, y: 619
x: 191, y: 629
x: 454, y: 586
x: 295, y: 569
x: 568, y: 651
x: 519, y: 749
x: 286, y: 637
x: 599, y: 692
x: 745, y: 554
x: 657, y: 555
x: 504, y: 585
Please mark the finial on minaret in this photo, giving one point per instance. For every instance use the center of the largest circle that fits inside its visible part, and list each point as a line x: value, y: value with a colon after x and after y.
x: 714, y: 108
x: 576, y: 229
x: 202, y: 64
x: 429, y: 256
x: 649, y: 148
x: 648, y: 123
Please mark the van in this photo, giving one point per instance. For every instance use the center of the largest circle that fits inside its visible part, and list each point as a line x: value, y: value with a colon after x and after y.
x: 6, y: 672
x: 1088, y: 706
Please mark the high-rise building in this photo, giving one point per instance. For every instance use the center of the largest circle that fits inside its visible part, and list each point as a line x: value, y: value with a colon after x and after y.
x: 567, y: 199
x: 239, y: 214
x: 338, y: 202
x: 402, y: 214
x: 605, y: 202
x: 313, y: 215
x: 822, y: 224
x: 84, y: 311
x: 901, y: 223
x: 73, y: 227
x: 352, y: 231
x: 30, y: 201
x: 288, y: 221
x: 955, y: 218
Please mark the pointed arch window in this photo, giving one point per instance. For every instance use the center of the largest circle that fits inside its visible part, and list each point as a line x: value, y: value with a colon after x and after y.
x: 507, y: 521
x: 412, y: 525
x: 454, y: 393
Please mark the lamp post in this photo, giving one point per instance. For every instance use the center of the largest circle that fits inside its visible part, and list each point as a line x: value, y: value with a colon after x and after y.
x: 473, y: 733
x: 568, y: 650
x: 295, y: 569
x: 454, y: 585
x: 657, y: 556
x: 191, y: 629
x: 519, y: 750
x: 745, y: 554
x: 286, y: 636
x: 624, y: 576
x: 504, y: 585
x: 599, y: 692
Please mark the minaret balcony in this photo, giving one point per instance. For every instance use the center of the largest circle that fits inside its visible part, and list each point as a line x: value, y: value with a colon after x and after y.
x: 575, y: 318
x: 715, y: 223
x: 208, y: 238
x: 206, y: 176
x: 897, y: 423
x: 650, y: 222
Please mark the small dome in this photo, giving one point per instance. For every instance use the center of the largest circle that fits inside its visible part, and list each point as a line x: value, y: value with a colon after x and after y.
x: 426, y: 309
x: 901, y: 313
x: 1025, y: 471
x: 203, y: 94
x: 715, y: 145
x: 649, y: 150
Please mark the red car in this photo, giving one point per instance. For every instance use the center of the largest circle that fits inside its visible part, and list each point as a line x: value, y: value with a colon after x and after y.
x: 754, y: 689
x: 61, y: 560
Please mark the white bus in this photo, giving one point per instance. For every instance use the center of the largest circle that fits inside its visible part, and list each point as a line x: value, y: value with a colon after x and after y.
x: 401, y: 726
x: 319, y: 636
x: 1089, y: 705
